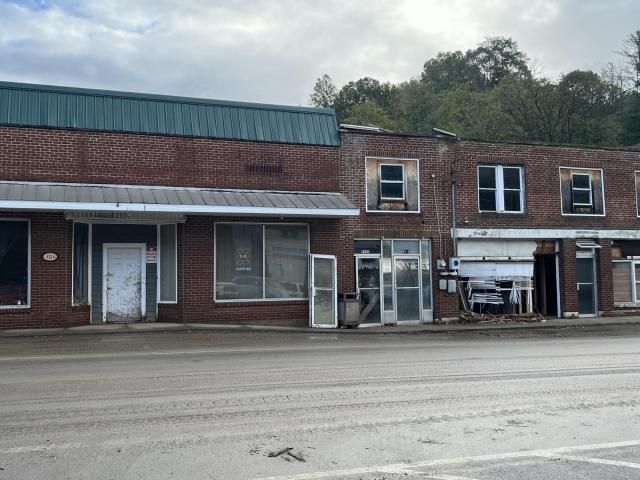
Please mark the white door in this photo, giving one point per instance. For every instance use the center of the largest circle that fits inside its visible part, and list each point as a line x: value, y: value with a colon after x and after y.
x: 323, y: 308
x: 123, y: 282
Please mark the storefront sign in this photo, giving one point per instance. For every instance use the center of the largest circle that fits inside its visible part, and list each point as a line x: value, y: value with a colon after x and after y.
x: 50, y: 257
x: 152, y: 255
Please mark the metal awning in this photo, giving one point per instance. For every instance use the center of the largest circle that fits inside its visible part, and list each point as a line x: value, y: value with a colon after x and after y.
x: 69, y: 197
x: 587, y: 244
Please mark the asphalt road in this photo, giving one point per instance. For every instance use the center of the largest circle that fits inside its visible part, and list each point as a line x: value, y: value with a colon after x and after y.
x: 217, y: 405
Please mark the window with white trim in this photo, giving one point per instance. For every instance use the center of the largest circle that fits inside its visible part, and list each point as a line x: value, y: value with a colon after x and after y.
x: 14, y: 263
x: 391, y: 181
x: 500, y: 189
x: 581, y: 191
x: 261, y: 261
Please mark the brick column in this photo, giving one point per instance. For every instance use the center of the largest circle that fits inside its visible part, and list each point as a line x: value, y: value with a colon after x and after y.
x: 605, y: 278
x: 568, y: 285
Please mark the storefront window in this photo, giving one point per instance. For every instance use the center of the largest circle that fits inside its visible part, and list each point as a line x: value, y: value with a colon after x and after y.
x: 80, y: 263
x: 626, y: 282
x: 254, y: 262
x: 14, y: 263
x: 286, y: 260
x: 168, y: 257
x: 425, y: 252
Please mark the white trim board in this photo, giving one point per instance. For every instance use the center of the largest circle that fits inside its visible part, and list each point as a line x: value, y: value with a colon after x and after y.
x: 189, y: 209
x: 545, y: 233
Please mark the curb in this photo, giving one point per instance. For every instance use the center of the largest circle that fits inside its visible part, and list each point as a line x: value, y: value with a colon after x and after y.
x: 186, y: 328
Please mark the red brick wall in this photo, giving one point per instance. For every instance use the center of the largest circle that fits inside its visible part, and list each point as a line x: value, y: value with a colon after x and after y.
x: 50, y: 281
x: 433, y: 221
x: 542, y: 185
x: 38, y: 154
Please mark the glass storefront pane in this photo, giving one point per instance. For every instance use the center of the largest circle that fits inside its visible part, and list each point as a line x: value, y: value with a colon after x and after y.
x: 366, y: 247
x: 387, y: 275
x: 286, y: 261
x: 425, y: 251
x: 14, y: 263
x: 586, y: 300
x: 622, y: 292
x: 368, y: 273
x: 408, y: 304
x: 238, y: 256
x: 168, y: 252
x: 404, y: 247
x: 407, y: 273
x: 370, y: 305
x: 323, y: 306
x: 80, y: 263
x: 323, y: 273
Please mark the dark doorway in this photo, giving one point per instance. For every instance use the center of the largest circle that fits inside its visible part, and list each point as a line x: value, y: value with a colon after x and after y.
x: 545, y: 291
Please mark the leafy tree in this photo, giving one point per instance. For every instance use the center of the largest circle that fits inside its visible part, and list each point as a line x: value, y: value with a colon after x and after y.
x: 499, y: 57
x: 371, y: 115
x: 324, y: 92
x: 450, y: 70
x: 630, y: 120
x: 366, y: 89
x: 415, y: 108
x: 631, y: 54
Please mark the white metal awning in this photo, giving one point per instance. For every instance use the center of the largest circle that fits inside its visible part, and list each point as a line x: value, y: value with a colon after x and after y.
x: 497, y: 270
x: 587, y: 244
x: 73, y: 197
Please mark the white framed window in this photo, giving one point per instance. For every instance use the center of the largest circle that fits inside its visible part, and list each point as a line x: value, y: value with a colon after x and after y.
x: 257, y: 262
x: 392, y: 181
x: 15, y: 263
x: 581, y: 190
x: 500, y: 189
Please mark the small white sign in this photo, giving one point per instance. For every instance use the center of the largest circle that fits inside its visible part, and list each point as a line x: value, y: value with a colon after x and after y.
x: 50, y: 257
x: 152, y: 255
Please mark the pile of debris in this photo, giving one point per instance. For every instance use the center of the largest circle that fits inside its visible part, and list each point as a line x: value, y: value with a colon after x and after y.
x: 473, y: 317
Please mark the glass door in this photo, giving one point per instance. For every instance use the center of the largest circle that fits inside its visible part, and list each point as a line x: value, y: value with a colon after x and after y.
x: 407, y: 288
x: 368, y: 281
x: 586, y: 279
x: 323, y: 309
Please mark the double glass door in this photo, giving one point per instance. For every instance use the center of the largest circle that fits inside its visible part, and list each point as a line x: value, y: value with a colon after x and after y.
x: 402, y: 296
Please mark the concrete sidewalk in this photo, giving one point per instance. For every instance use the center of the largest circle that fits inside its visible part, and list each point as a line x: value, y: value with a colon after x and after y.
x: 553, y: 324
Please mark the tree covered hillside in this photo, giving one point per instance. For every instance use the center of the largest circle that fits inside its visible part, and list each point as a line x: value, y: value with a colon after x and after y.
x: 492, y: 92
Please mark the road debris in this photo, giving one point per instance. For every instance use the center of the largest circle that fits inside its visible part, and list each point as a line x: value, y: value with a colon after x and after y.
x: 287, y: 452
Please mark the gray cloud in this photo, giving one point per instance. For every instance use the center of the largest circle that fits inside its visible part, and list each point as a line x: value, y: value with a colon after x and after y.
x: 272, y: 51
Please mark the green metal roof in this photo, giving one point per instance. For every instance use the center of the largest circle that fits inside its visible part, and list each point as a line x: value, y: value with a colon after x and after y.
x: 79, y: 108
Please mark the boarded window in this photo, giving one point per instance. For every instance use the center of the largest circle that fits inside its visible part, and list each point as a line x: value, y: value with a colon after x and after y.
x: 392, y: 184
x: 582, y: 191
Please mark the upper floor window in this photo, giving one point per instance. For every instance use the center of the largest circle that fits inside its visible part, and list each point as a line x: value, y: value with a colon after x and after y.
x: 392, y: 185
x: 391, y: 182
x: 500, y: 189
x: 582, y: 191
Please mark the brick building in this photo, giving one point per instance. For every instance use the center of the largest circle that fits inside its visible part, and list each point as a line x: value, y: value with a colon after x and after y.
x: 128, y: 207
x: 132, y: 207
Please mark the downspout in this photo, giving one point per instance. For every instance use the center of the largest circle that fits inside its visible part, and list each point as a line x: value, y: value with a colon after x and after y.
x: 454, y: 234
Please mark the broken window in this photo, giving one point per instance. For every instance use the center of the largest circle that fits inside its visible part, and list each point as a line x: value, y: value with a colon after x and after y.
x: 582, y: 191
x: 14, y: 263
x: 500, y: 189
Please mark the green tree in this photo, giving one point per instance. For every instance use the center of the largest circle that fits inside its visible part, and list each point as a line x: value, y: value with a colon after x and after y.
x: 324, y: 92
x: 370, y: 114
x: 366, y: 89
x: 499, y: 57
x: 450, y: 70
x: 631, y: 55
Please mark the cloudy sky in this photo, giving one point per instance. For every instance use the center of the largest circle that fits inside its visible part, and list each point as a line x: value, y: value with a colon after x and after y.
x: 272, y: 51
